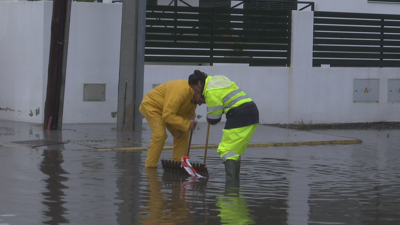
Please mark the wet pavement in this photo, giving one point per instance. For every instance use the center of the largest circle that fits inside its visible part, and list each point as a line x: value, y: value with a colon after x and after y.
x: 92, y: 174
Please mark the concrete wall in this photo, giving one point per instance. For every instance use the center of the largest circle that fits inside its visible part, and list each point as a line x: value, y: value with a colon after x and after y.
x: 360, y: 6
x: 93, y: 57
x: 283, y: 95
x: 24, y: 50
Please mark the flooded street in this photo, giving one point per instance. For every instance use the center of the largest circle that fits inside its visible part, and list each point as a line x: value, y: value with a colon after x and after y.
x: 324, y: 184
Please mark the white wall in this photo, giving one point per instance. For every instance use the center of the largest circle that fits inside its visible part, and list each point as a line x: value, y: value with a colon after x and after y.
x: 283, y: 95
x: 266, y: 86
x: 24, y: 54
x: 360, y: 6
x: 93, y: 57
x: 24, y: 46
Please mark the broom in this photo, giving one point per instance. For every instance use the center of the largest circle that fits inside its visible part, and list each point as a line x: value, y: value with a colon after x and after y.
x: 176, y: 166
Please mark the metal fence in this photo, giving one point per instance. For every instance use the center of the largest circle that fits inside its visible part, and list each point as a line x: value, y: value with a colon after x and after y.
x: 356, y: 40
x: 200, y: 35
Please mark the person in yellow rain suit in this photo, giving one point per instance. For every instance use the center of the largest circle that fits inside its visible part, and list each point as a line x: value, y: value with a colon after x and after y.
x: 225, y: 97
x: 171, y: 106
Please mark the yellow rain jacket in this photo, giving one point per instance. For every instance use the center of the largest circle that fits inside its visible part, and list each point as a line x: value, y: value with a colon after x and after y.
x: 169, y: 105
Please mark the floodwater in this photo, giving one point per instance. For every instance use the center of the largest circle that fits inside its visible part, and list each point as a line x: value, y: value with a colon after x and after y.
x: 329, y: 184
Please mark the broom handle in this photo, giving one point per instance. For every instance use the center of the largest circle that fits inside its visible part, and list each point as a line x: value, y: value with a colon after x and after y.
x: 205, y: 151
x: 190, y: 141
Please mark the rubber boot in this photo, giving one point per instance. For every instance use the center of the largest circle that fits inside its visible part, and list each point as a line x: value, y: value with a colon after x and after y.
x: 232, y: 169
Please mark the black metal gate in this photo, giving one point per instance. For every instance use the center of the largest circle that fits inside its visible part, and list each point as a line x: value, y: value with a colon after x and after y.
x: 200, y: 35
x: 356, y: 39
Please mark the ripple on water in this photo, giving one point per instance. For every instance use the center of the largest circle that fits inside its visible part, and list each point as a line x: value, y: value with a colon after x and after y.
x: 349, y: 184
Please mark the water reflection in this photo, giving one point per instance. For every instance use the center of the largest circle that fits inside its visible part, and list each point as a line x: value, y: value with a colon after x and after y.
x: 170, y: 199
x: 163, y: 207
x: 232, y: 206
x: 128, y: 181
x: 341, y: 184
x: 128, y: 184
x: 53, y: 197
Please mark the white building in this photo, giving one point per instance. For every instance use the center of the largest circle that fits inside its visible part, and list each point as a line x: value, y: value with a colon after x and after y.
x: 292, y: 94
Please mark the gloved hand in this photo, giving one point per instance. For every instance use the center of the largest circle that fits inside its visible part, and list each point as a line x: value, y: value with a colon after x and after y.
x: 180, y: 133
x: 193, y: 124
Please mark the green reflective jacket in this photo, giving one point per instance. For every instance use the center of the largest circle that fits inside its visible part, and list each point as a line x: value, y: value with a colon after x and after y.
x: 221, y: 95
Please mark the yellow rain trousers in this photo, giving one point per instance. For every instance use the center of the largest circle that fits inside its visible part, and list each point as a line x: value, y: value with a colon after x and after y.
x: 168, y: 106
x: 234, y: 142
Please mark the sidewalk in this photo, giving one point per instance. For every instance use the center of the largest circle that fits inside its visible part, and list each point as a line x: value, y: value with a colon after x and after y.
x: 105, y: 137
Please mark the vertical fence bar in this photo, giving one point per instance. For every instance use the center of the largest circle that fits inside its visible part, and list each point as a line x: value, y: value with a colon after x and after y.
x: 175, y: 19
x: 212, y: 39
x: 382, y: 42
x: 289, y: 53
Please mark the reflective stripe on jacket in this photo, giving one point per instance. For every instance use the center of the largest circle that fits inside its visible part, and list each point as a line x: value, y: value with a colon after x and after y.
x: 221, y: 95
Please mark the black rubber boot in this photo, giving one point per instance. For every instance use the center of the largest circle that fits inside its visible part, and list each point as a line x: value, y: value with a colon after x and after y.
x: 232, y: 169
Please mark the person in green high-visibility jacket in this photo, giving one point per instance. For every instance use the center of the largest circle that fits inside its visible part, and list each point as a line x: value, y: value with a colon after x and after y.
x: 223, y: 96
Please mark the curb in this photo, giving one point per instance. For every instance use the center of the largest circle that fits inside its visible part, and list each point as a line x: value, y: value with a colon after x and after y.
x: 213, y: 146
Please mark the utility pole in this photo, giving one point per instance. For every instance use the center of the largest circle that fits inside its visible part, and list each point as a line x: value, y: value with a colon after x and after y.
x: 54, y: 105
x: 131, y: 70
